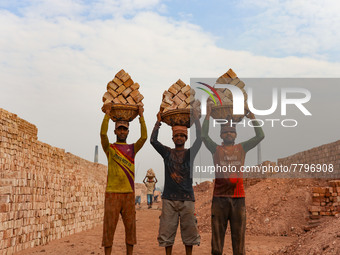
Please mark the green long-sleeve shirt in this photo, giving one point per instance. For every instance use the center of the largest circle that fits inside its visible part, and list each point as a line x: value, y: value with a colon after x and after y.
x: 120, y: 156
x: 247, y: 145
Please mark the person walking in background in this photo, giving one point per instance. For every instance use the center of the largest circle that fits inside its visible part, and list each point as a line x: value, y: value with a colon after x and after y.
x: 138, y: 199
x: 150, y: 186
x: 120, y: 188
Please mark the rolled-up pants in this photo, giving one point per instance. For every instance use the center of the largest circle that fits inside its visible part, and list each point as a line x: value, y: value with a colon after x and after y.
x: 226, y: 209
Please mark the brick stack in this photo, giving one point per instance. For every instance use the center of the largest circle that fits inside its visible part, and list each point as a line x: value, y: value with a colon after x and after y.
x: 123, y: 90
x: 326, y: 200
x: 231, y: 78
x: 325, y: 154
x: 45, y: 193
x: 179, y: 96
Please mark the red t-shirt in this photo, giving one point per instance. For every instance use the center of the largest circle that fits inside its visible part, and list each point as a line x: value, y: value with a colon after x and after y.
x: 229, y: 184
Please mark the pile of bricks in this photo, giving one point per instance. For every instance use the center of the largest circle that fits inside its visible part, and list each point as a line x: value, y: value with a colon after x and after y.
x: 45, y: 193
x: 231, y: 78
x: 326, y: 200
x: 123, y: 90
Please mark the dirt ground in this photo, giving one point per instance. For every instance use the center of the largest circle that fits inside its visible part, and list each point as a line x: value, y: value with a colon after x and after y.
x: 277, y: 211
x: 89, y: 242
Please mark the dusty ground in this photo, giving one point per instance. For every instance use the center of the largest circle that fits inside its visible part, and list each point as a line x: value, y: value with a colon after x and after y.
x: 89, y: 242
x: 276, y: 214
x: 323, y: 240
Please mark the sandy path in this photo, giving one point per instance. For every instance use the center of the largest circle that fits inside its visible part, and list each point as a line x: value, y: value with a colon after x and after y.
x: 88, y: 242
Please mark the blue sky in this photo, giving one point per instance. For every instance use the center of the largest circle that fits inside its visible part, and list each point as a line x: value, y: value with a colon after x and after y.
x: 268, y: 28
x: 61, y: 54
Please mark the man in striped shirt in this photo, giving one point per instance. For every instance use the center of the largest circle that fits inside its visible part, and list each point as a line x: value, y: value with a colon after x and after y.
x: 120, y: 188
x: 228, y: 202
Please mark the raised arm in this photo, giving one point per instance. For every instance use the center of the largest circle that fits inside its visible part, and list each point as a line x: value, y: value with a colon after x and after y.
x: 259, y: 135
x: 139, y: 144
x: 210, y: 144
x: 103, y: 134
x: 160, y: 148
x: 198, y: 142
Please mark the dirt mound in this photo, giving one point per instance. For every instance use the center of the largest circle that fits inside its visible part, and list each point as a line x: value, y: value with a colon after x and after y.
x: 275, y: 207
x: 323, y: 240
x: 203, y: 196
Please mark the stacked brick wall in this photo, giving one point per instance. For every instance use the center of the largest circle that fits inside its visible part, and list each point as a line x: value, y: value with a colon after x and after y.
x: 324, y: 156
x: 45, y: 193
x: 326, y: 200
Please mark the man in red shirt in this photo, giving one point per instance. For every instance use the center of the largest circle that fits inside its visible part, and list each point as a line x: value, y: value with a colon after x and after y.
x: 228, y: 202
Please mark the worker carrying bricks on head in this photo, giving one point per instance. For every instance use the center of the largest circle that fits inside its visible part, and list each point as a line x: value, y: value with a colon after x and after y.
x: 178, y: 201
x: 120, y: 195
x: 228, y: 202
x: 150, y: 184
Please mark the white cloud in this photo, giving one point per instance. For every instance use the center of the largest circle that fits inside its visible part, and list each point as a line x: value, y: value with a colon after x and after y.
x: 54, y: 71
x: 308, y: 28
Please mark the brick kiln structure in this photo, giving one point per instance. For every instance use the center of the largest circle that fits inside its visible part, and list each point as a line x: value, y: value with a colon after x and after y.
x: 45, y: 193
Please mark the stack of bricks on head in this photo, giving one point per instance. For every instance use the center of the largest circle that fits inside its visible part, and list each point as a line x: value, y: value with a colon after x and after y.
x: 226, y: 96
x: 179, y: 96
x: 123, y: 90
x: 326, y: 200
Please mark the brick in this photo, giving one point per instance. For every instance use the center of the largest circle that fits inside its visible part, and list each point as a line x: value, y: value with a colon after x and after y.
x: 134, y: 86
x: 4, y: 208
x: 122, y: 99
x: 126, y: 92
x: 120, y: 74
x: 174, y: 89
x: 106, y: 97
x: 138, y: 98
x: 164, y: 105
x: 112, y: 93
x: 231, y: 74
x: 117, y: 83
x: 181, y: 96
x: 125, y: 77
x: 182, y: 105
x: 185, y: 89
x: 112, y: 85
x: 128, y: 83
x: 181, y: 83
x: 130, y: 100
x: 120, y: 89
x: 5, y: 190
x: 134, y: 93
x: 4, y: 199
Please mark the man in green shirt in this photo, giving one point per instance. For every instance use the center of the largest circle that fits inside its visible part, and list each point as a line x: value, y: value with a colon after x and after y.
x: 120, y: 188
x: 228, y: 202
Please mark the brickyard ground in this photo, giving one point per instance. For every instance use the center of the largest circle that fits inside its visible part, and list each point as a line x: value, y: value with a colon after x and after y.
x: 88, y: 242
x: 276, y: 217
x: 53, y: 201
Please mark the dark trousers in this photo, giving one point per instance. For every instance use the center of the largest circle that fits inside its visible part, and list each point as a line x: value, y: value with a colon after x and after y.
x: 226, y: 209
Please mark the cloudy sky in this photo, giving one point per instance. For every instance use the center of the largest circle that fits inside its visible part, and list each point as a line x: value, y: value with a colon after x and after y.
x: 57, y: 57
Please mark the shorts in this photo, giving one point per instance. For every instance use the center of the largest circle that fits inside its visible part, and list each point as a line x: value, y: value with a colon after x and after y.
x: 115, y: 204
x: 172, y: 213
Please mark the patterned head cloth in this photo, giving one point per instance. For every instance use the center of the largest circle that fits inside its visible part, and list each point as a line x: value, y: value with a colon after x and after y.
x: 179, y: 130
